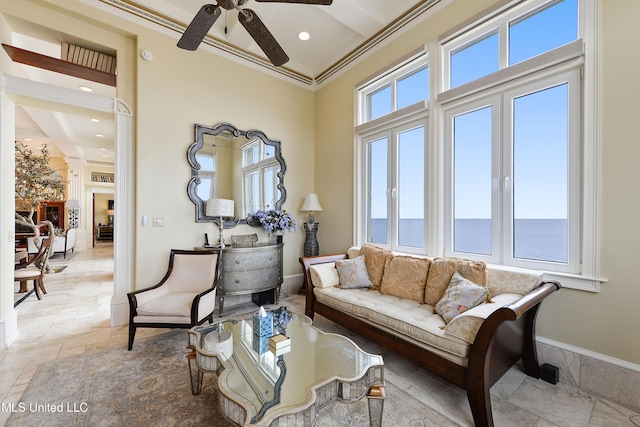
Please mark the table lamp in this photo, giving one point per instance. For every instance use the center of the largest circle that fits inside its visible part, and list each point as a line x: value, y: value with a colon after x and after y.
x: 110, y: 214
x: 220, y: 209
x: 311, y: 204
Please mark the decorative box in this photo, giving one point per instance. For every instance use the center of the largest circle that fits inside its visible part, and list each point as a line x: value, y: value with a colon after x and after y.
x: 279, y: 341
x: 263, y: 325
x: 280, y: 351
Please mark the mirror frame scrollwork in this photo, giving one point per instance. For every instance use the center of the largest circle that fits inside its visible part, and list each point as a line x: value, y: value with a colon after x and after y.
x: 200, y: 132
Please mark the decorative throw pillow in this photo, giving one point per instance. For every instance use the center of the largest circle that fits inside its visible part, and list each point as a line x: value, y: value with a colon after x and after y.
x: 353, y: 273
x: 324, y: 275
x: 405, y: 277
x: 442, y: 270
x: 460, y: 296
x: 375, y: 259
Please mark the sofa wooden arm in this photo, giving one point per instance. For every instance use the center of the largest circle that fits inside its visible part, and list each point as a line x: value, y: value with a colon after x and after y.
x: 307, y: 262
x: 506, y: 336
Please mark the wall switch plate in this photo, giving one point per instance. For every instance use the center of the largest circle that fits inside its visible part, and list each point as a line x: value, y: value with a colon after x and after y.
x: 158, y: 222
x: 145, y: 221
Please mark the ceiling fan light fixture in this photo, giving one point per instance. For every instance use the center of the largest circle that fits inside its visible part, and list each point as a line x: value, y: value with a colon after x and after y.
x: 303, y: 35
x: 85, y: 88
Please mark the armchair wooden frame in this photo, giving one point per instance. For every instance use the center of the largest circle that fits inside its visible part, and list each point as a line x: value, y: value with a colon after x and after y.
x: 34, y: 269
x: 196, y: 318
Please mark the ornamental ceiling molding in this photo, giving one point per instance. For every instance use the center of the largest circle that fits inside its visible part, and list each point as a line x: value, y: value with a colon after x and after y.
x: 395, y: 26
x: 399, y: 23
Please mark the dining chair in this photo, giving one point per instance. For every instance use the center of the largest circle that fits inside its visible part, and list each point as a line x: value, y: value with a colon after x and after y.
x: 185, y: 297
x: 34, y: 269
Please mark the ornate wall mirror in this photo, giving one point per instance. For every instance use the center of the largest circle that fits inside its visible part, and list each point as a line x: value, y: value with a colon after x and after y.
x: 244, y: 166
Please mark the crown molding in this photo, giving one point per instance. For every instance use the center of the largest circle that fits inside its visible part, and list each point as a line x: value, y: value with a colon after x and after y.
x: 391, y: 29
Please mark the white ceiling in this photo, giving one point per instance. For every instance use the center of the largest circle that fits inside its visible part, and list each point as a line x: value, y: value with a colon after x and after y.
x: 335, y: 32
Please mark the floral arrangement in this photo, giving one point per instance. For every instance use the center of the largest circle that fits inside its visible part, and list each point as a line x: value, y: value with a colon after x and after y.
x: 273, y: 220
x: 281, y: 318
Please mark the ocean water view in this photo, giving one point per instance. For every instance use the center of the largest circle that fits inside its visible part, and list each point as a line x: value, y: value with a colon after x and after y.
x: 535, y: 239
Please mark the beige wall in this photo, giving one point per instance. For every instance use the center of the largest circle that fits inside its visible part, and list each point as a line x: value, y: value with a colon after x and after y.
x: 604, y: 322
x: 178, y: 89
x: 607, y: 322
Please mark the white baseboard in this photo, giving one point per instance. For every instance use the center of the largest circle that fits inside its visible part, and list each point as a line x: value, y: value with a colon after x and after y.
x: 592, y: 354
x: 119, y: 314
x: 612, y: 378
x: 9, y: 329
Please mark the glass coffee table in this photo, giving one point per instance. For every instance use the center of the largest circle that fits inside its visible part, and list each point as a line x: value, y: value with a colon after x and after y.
x: 284, y: 376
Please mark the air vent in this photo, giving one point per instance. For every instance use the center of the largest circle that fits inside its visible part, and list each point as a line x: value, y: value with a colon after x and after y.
x: 88, y: 58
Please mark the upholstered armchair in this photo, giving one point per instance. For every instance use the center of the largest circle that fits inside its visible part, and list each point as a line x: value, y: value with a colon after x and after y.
x: 185, y: 296
x: 61, y: 244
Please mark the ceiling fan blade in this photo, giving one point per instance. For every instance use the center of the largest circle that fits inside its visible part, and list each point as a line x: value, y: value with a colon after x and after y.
x: 199, y: 27
x: 256, y: 28
x: 320, y: 2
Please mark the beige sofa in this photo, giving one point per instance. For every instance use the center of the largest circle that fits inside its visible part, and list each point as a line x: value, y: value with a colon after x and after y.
x: 61, y: 244
x: 473, y: 350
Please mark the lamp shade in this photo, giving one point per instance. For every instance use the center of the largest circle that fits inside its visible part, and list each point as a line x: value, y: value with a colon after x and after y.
x: 311, y: 203
x: 219, y: 208
x: 73, y: 204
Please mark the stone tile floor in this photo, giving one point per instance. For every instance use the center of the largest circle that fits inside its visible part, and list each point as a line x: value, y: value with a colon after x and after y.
x: 74, y: 317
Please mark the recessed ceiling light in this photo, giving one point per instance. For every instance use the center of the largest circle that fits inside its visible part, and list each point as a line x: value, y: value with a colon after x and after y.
x: 86, y: 88
x: 303, y: 35
x: 99, y: 135
x: 104, y: 155
x: 103, y: 149
x: 95, y: 120
x: 28, y: 139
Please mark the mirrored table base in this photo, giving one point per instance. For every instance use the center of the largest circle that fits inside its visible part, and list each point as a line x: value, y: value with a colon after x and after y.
x: 335, y: 390
x: 370, y: 385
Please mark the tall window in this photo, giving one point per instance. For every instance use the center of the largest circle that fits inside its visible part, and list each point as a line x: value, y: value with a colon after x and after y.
x: 513, y: 148
x: 514, y: 163
x: 501, y: 180
x: 394, y: 157
x: 396, y: 187
x: 207, y: 174
x: 259, y: 176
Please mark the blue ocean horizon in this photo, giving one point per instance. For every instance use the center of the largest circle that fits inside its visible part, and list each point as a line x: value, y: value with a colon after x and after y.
x: 535, y: 239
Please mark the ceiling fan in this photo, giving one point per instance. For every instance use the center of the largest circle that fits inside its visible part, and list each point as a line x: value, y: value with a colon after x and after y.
x: 209, y: 13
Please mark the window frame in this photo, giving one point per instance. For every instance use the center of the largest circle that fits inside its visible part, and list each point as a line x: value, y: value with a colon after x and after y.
x: 582, y: 54
x: 264, y: 162
x: 391, y: 132
x: 501, y: 99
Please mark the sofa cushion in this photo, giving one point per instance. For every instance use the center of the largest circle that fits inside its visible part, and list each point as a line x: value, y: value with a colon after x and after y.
x: 461, y: 295
x: 405, y: 277
x: 442, y: 270
x: 353, y: 251
x: 375, y: 258
x: 407, y: 318
x: 465, y: 326
x: 512, y: 280
x: 324, y: 275
x: 353, y: 273
x: 173, y: 304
